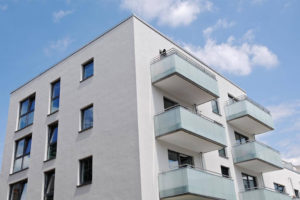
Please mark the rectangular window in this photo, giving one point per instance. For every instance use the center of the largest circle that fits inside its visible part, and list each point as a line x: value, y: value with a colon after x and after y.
x: 55, y: 93
x: 297, y: 193
x: 222, y: 153
x: 52, y: 141
x: 225, y: 171
x: 240, y: 139
x: 18, y: 191
x: 87, y: 118
x: 215, y: 106
x: 26, y: 112
x: 88, y: 69
x: 22, y: 154
x: 279, y: 188
x: 177, y: 160
x: 49, y: 185
x: 249, y: 182
x: 169, y: 103
x: 86, y: 171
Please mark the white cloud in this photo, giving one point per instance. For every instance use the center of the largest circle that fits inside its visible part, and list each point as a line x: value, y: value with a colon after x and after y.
x: 238, y: 59
x: 221, y: 23
x: 58, y: 46
x: 3, y: 7
x: 58, y: 15
x: 168, y: 12
x: 285, y: 110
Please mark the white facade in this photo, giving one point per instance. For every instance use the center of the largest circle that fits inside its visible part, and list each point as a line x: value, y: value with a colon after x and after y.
x: 130, y: 154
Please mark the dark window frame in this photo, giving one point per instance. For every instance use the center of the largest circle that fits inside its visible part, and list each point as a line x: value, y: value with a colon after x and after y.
x: 217, y: 111
x: 168, y: 100
x: 82, y: 115
x: 296, y: 193
x: 31, y: 101
x: 248, y: 182
x: 225, y: 153
x: 48, y: 175
x: 228, y: 170
x: 56, y: 97
x: 51, y: 131
x: 22, y: 182
x: 277, y: 186
x: 239, y: 138
x: 84, y: 65
x: 24, y: 154
x: 178, y: 154
x: 82, y: 171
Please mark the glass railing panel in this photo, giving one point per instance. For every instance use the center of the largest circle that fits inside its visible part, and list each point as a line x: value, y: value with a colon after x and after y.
x: 264, y: 194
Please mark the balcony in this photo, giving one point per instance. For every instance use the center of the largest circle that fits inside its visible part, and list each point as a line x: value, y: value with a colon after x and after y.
x: 194, y: 184
x: 264, y: 194
x: 183, y: 78
x: 257, y: 157
x: 248, y: 116
x: 188, y: 130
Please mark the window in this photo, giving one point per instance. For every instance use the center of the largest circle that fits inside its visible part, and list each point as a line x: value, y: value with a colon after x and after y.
x: 18, y: 191
x: 232, y: 99
x: 49, y: 185
x: 225, y: 171
x: 87, y: 118
x: 222, y: 153
x: 249, y: 182
x: 240, y: 139
x: 177, y: 160
x: 169, y: 103
x: 52, y: 141
x: 297, y: 193
x: 55, y: 93
x: 215, y: 106
x: 279, y: 188
x: 88, y: 69
x: 26, y: 112
x: 22, y: 154
x: 86, y: 171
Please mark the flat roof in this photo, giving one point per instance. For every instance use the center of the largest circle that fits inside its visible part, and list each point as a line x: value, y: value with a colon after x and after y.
x: 138, y: 18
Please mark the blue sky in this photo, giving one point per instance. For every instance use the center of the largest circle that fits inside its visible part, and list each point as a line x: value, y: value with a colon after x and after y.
x: 255, y: 43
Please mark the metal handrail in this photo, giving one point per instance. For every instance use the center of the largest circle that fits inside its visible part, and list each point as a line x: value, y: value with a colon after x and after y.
x: 198, y: 169
x: 191, y: 111
x: 181, y: 55
x: 264, y: 188
x: 245, y: 97
x: 252, y: 141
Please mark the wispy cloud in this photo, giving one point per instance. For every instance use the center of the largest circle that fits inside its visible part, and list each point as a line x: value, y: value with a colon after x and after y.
x: 234, y: 56
x: 3, y: 7
x: 60, y: 45
x: 58, y: 15
x: 285, y: 110
x: 168, y: 12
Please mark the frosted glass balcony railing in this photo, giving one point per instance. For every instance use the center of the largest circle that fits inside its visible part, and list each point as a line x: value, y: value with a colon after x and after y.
x: 180, y: 76
x: 255, y: 150
x: 249, y: 116
x: 195, y: 184
x: 264, y: 194
x: 183, y: 124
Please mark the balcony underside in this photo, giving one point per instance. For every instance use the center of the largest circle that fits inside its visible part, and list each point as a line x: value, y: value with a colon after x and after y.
x: 258, y: 165
x: 190, y: 141
x: 188, y: 197
x: 250, y: 125
x: 184, y: 89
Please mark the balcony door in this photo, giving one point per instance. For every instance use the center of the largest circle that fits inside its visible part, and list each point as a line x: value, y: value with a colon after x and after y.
x: 249, y: 182
x: 177, y: 160
x: 168, y: 104
x: 240, y: 139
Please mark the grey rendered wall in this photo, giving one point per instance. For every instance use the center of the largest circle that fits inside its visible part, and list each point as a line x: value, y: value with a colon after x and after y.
x: 113, y: 141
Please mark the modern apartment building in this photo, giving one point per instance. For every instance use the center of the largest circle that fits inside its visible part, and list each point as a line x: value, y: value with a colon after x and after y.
x: 133, y: 116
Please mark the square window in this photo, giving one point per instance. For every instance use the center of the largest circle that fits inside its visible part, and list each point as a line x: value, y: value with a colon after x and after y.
x: 26, y: 112
x: 279, y: 188
x: 225, y: 171
x: 18, y: 191
x: 52, y: 141
x: 49, y: 185
x: 222, y: 153
x: 86, y: 171
x: 22, y: 154
x: 87, y: 118
x: 88, y: 69
x: 55, y: 93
